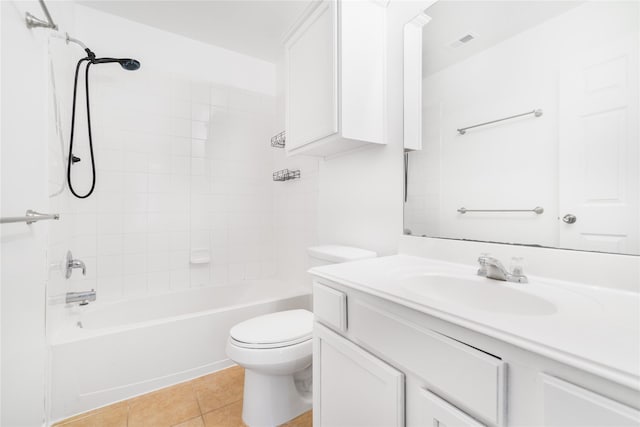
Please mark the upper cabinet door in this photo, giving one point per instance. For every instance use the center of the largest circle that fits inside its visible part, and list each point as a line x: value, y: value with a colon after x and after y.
x: 335, y: 82
x: 312, y: 87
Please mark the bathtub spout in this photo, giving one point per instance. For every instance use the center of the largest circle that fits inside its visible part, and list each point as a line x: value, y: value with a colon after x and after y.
x: 84, y: 297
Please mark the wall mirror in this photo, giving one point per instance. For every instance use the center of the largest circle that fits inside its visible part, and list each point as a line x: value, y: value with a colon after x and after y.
x: 521, y: 123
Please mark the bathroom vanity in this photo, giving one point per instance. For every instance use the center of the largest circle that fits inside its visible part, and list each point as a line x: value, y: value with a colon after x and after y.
x: 406, y: 340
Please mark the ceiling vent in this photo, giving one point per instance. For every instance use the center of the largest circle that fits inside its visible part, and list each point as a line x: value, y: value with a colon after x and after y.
x: 462, y: 40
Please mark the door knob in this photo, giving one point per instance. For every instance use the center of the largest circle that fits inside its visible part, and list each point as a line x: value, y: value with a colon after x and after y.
x: 569, y: 218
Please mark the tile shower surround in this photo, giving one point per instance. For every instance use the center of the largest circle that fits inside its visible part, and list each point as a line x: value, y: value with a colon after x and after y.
x: 180, y: 167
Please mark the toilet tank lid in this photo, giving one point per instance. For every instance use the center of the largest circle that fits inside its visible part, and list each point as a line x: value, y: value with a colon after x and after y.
x: 338, y: 253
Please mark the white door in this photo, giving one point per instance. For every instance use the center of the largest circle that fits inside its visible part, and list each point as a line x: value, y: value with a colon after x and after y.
x: 352, y: 387
x: 598, y: 147
x: 311, y: 81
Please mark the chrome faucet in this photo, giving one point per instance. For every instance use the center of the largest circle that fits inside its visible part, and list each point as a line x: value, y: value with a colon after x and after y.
x: 74, y: 263
x: 492, y: 268
x: 84, y: 297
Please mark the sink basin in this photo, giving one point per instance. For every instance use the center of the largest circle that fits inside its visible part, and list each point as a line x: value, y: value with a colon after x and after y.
x: 478, y: 293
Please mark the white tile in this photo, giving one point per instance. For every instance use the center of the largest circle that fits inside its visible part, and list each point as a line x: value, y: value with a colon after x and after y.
x: 110, y: 244
x: 200, y: 92
x: 135, y: 223
x: 178, y: 260
x: 158, y: 261
x: 181, y: 108
x: 198, y: 148
x: 179, y: 241
x: 135, y: 285
x: 219, y: 96
x: 134, y: 264
x: 180, y: 278
x: 134, y: 183
x: 159, y: 163
x: 135, y: 202
x: 199, y: 130
x: 109, y: 223
x: 134, y: 243
x: 219, y: 274
x: 109, y: 266
x: 109, y: 160
x: 236, y: 272
x: 109, y: 202
x: 135, y: 162
x: 159, y: 183
x: 180, y: 165
x: 197, y: 166
x: 158, y: 241
x: 199, y: 275
x: 200, y: 112
x: 109, y: 288
x: 158, y: 281
x: 181, y: 146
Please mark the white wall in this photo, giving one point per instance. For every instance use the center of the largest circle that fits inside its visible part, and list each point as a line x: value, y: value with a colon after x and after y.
x: 295, y: 204
x: 23, y: 248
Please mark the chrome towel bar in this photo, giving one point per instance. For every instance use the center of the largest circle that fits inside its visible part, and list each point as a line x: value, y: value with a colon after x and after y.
x: 538, y: 210
x: 30, y: 217
x: 536, y: 113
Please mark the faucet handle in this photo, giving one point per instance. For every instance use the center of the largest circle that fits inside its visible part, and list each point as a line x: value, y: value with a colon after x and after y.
x: 517, y: 266
x: 72, y: 263
x: 482, y: 271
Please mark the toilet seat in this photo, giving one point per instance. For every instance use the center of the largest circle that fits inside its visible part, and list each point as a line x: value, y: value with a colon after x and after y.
x: 275, y: 330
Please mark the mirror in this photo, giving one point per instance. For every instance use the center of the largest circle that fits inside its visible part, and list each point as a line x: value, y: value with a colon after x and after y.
x: 526, y: 130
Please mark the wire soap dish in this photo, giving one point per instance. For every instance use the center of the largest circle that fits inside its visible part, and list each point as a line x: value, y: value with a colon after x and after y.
x: 286, y: 175
x: 279, y: 140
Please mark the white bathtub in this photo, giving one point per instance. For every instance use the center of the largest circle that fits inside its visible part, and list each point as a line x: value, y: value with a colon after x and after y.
x: 129, y: 348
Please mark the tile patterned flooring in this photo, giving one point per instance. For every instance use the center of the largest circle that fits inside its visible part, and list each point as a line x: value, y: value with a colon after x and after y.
x: 214, y: 400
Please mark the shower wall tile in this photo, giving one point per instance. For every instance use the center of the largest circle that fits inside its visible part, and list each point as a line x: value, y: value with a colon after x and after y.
x: 181, y: 166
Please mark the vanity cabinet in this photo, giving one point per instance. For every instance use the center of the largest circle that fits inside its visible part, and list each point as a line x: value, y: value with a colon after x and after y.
x: 358, y: 389
x: 334, y: 84
x: 377, y: 362
x: 567, y: 405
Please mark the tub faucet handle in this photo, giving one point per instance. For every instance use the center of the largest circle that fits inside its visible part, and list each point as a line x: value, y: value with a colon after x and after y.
x: 74, y: 263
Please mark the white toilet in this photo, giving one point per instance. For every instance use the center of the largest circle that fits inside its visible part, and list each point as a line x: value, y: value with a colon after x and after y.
x: 275, y: 350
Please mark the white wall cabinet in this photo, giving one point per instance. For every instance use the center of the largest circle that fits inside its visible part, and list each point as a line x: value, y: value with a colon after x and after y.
x: 335, y: 78
x: 358, y: 389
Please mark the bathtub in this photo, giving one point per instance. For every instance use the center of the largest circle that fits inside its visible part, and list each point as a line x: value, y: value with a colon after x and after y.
x: 105, y: 353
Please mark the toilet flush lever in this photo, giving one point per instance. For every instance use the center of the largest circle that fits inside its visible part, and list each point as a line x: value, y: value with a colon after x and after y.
x: 569, y: 218
x: 74, y: 263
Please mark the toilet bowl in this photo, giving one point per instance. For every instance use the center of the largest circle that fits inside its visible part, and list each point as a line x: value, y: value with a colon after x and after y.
x: 276, y: 352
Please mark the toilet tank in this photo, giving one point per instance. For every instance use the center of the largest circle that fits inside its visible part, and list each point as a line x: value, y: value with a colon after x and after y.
x: 335, y: 254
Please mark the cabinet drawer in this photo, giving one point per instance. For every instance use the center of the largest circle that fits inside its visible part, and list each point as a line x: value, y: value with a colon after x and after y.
x: 330, y: 306
x: 438, y: 412
x: 463, y: 375
x: 567, y: 405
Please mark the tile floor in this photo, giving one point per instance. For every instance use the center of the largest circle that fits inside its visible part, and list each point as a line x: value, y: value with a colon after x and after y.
x: 214, y: 400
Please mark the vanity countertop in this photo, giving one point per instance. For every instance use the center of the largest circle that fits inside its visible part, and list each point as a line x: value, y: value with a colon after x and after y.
x: 592, y: 328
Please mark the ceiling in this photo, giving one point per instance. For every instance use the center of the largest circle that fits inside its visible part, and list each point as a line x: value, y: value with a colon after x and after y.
x: 490, y: 22
x: 251, y: 27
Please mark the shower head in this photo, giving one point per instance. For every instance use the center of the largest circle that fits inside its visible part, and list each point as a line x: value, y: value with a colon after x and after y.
x: 129, y: 64
x: 126, y: 63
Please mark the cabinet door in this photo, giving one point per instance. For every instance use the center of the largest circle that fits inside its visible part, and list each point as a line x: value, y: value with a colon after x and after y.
x: 352, y: 387
x: 437, y: 412
x: 311, y: 57
x: 567, y: 405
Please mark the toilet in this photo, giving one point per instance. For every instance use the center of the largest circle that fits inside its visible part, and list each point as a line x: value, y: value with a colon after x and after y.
x: 275, y: 349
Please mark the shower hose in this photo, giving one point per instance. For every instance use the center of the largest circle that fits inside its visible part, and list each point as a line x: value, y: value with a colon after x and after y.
x: 73, y: 159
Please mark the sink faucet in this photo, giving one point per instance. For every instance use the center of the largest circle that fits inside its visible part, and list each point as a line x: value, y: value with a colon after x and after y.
x: 492, y: 268
x: 84, y: 297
